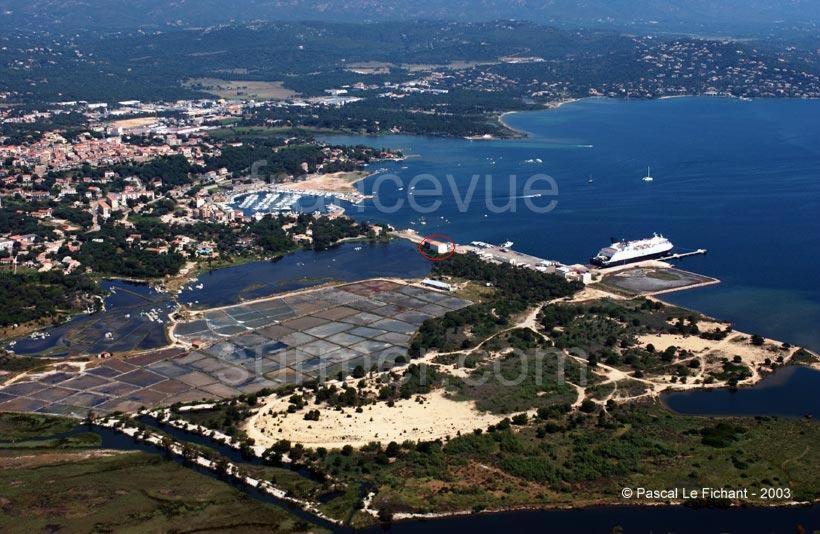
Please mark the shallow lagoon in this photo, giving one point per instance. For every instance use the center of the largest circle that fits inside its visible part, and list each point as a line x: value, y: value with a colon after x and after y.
x: 134, y: 315
x: 347, y: 262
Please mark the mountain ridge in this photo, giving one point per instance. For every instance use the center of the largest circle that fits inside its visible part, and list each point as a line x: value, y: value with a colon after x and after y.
x: 661, y: 15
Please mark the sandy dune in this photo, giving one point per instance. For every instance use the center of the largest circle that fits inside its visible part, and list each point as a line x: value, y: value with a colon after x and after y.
x: 437, y: 417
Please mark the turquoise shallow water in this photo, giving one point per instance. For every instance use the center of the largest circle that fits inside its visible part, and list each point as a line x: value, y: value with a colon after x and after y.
x: 740, y: 178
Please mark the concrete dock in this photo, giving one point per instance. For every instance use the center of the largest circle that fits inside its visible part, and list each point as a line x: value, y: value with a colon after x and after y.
x: 588, y: 274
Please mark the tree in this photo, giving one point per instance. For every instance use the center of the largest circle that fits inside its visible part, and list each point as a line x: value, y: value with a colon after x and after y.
x: 669, y: 354
x: 393, y: 449
x: 519, y: 419
x: 588, y: 406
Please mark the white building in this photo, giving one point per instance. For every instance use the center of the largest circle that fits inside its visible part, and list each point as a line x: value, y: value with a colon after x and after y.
x: 435, y: 284
x: 439, y: 247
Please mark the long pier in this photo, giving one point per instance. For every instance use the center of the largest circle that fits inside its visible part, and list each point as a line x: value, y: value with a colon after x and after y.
x: 698, y: 252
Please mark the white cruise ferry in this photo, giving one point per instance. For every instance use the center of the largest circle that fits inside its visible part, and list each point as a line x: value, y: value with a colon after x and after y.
x: 623, y: 252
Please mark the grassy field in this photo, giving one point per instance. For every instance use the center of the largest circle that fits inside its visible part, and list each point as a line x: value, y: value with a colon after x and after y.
x: 67, y: 483
x: 22, y: 427
x: 539, y: 383
x: 129, y: 492
x: 242, y: 89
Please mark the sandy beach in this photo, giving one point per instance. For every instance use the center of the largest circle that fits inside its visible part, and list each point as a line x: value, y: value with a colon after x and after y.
x: 337, y: 182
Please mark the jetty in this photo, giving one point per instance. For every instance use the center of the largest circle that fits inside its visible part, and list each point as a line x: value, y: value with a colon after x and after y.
x: 698, y: 252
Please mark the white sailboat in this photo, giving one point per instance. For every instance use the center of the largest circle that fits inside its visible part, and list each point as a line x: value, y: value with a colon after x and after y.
x: 648, y: 177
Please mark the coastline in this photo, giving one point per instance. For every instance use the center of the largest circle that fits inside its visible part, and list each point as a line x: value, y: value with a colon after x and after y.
x: 553, y: 105
x: 501, y: 120
x: 557, y: 104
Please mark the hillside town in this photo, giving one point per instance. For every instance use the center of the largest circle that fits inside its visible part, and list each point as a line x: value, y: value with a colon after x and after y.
x: 149, y: 178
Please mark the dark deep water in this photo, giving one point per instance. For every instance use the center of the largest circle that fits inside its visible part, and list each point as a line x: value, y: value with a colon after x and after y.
x: 740, y: 178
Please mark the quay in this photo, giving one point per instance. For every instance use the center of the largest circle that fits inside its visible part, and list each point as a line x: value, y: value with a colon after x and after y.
x: 648, y: 277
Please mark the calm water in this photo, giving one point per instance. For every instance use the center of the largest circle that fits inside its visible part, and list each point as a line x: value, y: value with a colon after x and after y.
x: 790, y: 392
x: 347, y: 262
x: 739, y: 178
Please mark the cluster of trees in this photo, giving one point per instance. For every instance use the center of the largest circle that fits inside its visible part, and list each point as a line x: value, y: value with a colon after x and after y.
x: 270, y: 236
x: 417, y: 379
x: 733, y: 372
x: 172, y: 170
x: 32, y: 296
x: 269, y: 158
x: 519, y: 283
x: 688, y: 329
x: 346, y: 396
x: 327, y: 231
x: 379, y: 115
x: 517, y: 287
x: 314, y: 56
x: 16, y: 133
x: 464, y: 328
x: 74, y: 215
x: 225, y: 417
x: 540, y: 381
x: 273, y: 157
x: 107, y: 252
x: 721, y: 435
x: 14, y: 219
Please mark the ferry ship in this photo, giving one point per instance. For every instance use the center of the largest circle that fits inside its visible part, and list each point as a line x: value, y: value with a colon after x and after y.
x: 623, y: 252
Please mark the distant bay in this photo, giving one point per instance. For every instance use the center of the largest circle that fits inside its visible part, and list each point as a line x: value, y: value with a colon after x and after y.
x: 740, y: 178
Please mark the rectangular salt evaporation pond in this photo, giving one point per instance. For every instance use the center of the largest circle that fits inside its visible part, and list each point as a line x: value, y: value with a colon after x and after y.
x: 327, y: 331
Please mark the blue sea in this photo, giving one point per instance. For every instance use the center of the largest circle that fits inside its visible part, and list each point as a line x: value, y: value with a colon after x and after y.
x: 739, y: 178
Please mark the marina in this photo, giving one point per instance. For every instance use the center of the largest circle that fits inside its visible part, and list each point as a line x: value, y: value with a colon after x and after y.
x: 291, y: 197
x: 267, y: 202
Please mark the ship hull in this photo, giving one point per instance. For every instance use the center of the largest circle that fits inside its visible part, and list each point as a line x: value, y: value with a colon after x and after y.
x: 638, y: 259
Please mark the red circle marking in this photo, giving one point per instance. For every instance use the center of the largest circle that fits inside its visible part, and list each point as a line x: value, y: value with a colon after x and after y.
x: 437, y: 237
